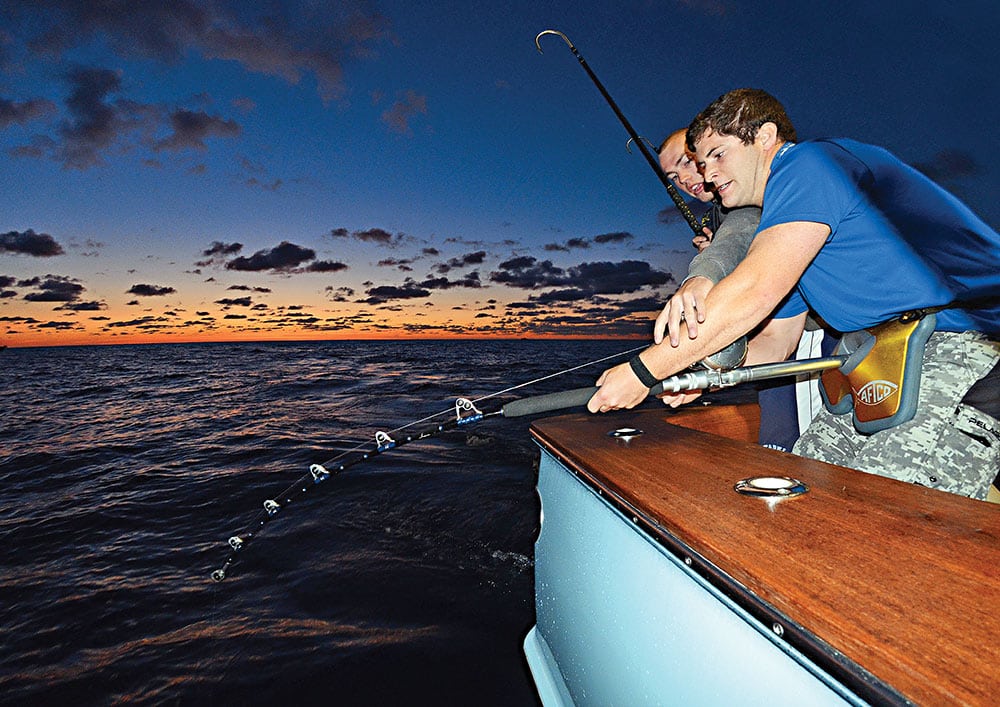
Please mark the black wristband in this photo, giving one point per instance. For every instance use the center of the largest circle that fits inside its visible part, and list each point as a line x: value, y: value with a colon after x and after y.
x: 642, y: 373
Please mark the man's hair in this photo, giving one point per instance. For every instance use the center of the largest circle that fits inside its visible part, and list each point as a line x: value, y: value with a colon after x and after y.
x: 741, y: 112
x: 668, y: 138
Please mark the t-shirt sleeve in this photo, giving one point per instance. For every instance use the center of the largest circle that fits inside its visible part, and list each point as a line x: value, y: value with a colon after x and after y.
x: 728, y: 247
x: 793, y: 305
x: 815, y: 182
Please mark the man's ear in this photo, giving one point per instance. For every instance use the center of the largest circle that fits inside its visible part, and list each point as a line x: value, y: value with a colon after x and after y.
x: 767, y: 135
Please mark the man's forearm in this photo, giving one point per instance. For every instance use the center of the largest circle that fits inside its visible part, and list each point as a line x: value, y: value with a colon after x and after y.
x: 733, y: 315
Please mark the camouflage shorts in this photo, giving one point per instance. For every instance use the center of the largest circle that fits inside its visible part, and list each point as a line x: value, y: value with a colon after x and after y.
x: 947, y: 445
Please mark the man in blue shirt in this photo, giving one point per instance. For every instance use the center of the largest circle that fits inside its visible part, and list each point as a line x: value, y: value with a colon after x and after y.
x: 786, y: 407
x: 854, y: 234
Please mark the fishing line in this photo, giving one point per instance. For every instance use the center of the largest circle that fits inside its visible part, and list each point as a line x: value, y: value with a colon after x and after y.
x: 465, y: 412
x: 449, y: 411
x: 568, y: 370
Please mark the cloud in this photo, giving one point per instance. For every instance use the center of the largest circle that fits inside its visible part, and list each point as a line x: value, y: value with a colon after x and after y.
x: 398, y: 116
x: 616, y: 237
x: 140, y: 322
x: 271, y: 186
x: 476, y: 258
x: 99, y: 120
x: 526, y: 272
x: 571, y: 243
x: 284, y: 257
x: 442, y: 283
x: 386, y: 293
x: 372, y: 235
x: 286, y: 40
x: 639, y: 305
x: 617, y: 278
x: 191, y: 128
x: 237, y: 302
x: 400, y: 264
x: 220, y: 248
x: 585, y: 279
x: 150, y: 290
x: 93, y: 247
x: 24, y: 112
x: 217, y: 253
x: 55, y: 288
x: 338, y: 294
x: 94, y: 124
x: 83, y: 306
x: 326, y: 266
x: 564, y: 295
x: 58, y: 325
x: 602, y: 239
x: 30, y: 243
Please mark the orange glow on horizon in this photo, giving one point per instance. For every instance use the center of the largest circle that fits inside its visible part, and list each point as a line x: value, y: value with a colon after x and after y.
x: 34, y: 340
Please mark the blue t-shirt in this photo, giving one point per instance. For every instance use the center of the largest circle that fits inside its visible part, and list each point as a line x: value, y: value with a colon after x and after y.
x: 897, y: 240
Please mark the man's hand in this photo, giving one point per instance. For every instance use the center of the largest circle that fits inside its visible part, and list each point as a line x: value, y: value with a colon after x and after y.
x: 675, y: 400
x: 628, y: 391
x: 688, y: 306
x: 703, y: 239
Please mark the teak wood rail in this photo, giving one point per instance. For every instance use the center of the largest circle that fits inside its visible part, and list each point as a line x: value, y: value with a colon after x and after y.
x: 895, y: 583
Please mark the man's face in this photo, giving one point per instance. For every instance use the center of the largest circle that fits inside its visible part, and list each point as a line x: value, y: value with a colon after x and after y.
x: 735, y: 169
x: 680, y: 168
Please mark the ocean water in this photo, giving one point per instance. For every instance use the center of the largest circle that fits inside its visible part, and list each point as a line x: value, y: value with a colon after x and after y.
x: 407, y: 579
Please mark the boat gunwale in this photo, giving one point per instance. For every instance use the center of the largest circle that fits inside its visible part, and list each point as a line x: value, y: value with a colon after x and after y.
x: 845, y: 671
x: 887, y: 630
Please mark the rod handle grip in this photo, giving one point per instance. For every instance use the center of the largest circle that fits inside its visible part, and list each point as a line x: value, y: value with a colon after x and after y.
x: 547, y: 403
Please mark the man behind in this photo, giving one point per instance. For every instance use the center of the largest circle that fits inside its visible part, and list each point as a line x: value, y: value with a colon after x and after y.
x: 859, y: 237
x: 680, y: 168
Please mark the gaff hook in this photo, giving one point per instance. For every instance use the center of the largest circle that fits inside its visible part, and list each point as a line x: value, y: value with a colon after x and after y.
x: 558, y: 34
x: 628, y: 143
x: 654, y: 164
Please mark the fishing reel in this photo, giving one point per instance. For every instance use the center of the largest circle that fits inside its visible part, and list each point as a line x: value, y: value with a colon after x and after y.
x: 730, y: 357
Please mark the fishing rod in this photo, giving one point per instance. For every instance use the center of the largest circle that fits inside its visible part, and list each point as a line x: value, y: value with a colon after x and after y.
x: 465, y: 412
x: 678, y: 200
x: 691, y: 380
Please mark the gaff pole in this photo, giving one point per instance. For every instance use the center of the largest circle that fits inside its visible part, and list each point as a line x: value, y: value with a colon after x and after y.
x: 678, y: 200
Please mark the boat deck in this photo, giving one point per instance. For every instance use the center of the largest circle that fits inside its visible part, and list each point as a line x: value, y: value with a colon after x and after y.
x: 892, y: 588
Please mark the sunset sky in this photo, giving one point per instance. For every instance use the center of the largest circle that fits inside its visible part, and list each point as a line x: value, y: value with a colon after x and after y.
x: 221, y: 170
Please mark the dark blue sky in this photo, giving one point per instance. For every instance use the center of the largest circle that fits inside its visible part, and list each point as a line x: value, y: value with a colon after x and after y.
x: 285, y: 170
